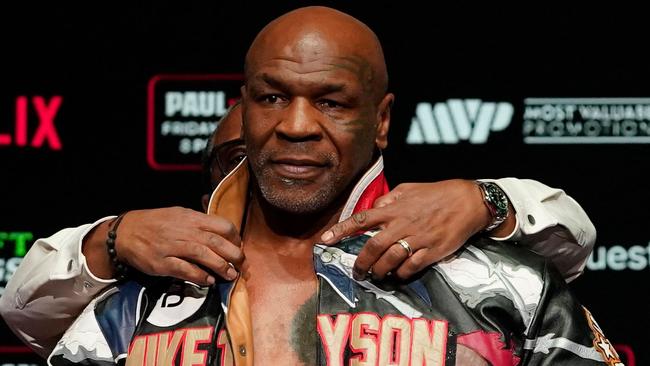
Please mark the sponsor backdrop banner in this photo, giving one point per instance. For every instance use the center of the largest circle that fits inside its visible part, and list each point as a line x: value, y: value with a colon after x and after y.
x: 106, y: 110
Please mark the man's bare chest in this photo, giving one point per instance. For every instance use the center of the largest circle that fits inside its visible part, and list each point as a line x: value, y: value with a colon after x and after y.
x: 283, y: 308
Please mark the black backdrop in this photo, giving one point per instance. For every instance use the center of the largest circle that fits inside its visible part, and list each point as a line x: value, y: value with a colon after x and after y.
x: 110, y: 66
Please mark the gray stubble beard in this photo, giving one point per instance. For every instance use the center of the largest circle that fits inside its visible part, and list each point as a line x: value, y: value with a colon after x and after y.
x: 293, y: 198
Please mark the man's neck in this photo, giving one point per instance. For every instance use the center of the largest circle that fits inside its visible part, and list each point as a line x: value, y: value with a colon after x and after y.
x: 269, y: 225
x: 279, y: 274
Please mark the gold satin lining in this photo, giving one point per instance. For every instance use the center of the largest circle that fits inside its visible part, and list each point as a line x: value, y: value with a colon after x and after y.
x: 229, y: 200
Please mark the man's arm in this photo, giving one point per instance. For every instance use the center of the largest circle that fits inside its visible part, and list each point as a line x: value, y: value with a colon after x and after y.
x: 549, y: 222
x: 437, y: 218
x: 51, y: 286
x: 63, y: 273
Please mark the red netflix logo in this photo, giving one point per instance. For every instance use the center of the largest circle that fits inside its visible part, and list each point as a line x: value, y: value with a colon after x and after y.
x: 45, y: 133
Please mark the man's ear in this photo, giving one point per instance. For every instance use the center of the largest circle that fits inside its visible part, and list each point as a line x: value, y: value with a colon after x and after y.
x: 205, y: 200
x: 242, y: 91
x: 383, y: 120
x: 242, y: 103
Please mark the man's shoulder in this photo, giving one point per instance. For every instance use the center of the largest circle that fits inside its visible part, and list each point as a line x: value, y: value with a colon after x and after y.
x: 117, y: 314
x: 484, y: 262
x: 485, y: 270
x: 101, y: 333
x: 507, y: 253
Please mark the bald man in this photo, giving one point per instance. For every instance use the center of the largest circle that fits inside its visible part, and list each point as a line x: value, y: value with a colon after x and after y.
x: 316, y: 111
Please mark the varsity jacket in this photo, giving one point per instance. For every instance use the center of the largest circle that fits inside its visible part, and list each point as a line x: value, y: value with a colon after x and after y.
x: 488, y: 304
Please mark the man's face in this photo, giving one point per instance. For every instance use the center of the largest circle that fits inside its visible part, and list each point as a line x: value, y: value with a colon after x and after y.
x: 228, y: 147
x: 310, y: 125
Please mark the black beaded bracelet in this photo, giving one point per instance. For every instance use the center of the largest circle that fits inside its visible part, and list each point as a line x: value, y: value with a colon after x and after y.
x: 119, y: 267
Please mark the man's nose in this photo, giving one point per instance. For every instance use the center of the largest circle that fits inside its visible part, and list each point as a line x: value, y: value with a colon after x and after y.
x: 300, y: 122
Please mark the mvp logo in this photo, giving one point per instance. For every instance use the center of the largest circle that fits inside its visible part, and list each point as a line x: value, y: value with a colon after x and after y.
x: 448, y: 123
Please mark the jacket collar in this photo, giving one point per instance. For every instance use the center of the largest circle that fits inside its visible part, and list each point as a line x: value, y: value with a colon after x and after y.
x: 333, y: 264
x: 230, y: 197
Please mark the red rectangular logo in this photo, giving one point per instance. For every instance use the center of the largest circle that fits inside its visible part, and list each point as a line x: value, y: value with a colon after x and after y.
x: 182, y: 112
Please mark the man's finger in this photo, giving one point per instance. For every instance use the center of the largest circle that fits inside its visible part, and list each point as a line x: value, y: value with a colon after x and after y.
x: 374, y: 248
x: 179, y: 268
x: 390, y: 260
x: 414, y: 264
x: 230, y: 252
x: 360, y: 221
x: 221, y: 226
x: 204, y: 256
x: 387, y: 199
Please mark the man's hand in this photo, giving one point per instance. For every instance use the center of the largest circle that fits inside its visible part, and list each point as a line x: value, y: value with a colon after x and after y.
x: 174, y: 241
x: 434, y: 218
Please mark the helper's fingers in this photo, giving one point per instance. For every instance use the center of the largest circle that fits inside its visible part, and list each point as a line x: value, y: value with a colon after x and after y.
x: 414, y: 264
x: 394, y: 256
x: 374, y: 248
x: 360, y: 221
x: 222, y: 247
x: 387, y: 199
x: 181, y: 269
x: 203, y: 255
x: 220, y: 226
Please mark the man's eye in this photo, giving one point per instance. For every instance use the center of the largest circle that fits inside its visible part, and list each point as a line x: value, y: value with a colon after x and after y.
x: 272, y: 99
x: 330, y: 104
x: 235, y: 156
x: 235, y: 159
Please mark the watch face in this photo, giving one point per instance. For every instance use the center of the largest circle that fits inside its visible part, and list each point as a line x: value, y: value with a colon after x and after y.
x: 499, y: 199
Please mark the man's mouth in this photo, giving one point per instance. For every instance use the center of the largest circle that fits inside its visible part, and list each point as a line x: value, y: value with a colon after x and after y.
x: 298, y: 167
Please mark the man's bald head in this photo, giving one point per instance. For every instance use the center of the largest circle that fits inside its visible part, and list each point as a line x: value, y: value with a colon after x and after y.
x: 315, y: 32
x: 315, y: 107
x: 228, y: 129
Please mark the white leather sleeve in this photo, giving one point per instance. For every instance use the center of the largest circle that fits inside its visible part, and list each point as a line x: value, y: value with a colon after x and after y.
x: 551, y: 223
x: 50, y: 288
